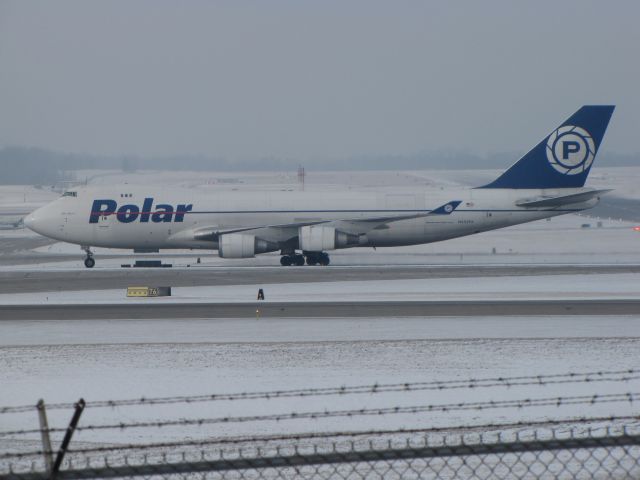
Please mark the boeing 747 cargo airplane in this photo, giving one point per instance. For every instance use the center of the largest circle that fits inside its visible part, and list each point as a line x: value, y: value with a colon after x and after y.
x: 304, y: 226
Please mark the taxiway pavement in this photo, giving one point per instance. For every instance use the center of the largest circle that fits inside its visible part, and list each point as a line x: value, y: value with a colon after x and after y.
x: 321, y: 309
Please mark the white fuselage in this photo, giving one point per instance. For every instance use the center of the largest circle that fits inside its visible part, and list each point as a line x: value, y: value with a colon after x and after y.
x: 71, y: 219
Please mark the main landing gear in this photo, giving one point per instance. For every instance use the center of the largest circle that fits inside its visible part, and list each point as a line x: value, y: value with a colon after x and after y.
x: 287, y: 260
x: 318, y: 258
x: 311, y: 258
x: 89, y: 262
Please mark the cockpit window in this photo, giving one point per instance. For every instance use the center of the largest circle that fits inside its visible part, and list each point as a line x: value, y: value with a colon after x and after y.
x: 70, y: 194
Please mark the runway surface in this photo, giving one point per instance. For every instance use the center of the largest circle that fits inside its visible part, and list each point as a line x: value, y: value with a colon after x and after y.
x: 320, y: 309
x: 83, y: 279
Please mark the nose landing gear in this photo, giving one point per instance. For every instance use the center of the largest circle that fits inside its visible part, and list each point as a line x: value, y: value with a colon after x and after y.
x: 89, y: 262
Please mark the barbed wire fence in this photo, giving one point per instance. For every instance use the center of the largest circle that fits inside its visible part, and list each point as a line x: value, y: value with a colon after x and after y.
x: 577, y: 446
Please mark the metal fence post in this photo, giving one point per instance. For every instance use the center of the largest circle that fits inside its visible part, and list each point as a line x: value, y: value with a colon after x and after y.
x: 44, y: 434
x: 67, y: 438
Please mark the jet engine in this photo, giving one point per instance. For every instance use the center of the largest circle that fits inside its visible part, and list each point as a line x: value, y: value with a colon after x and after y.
x: 241, y: 245
x: 317, y: 238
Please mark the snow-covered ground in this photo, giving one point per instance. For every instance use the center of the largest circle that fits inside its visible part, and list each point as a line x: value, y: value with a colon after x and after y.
x: 101, y: 360
x: 25, y: 197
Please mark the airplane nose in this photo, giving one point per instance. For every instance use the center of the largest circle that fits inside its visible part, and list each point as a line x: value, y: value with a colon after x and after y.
x: 29, y: 220
x: 45, y: 221
x: 34, y: 221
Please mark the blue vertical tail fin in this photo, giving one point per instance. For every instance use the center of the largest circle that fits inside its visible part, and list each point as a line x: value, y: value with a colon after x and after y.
x: 564, y: 157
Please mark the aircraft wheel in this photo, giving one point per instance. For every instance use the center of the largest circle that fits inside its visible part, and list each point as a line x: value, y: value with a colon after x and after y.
x: 299, y: 260
x: 89, y: 262
x: 312, y: 260
x: 285, y: 260
x: 324, y: 259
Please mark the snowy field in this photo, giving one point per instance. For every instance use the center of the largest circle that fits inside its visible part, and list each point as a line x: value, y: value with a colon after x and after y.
x: 126, y: 359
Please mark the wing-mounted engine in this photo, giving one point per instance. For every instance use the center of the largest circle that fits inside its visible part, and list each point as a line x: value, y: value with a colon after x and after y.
x: 243, y: 245
x: 317, y: 238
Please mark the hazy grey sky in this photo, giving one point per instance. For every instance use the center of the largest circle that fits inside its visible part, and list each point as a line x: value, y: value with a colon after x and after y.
x: 308, y: 79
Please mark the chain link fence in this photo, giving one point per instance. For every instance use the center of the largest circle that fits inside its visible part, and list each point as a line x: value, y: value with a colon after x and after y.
x: 582, y: 450
x: 447, y: 440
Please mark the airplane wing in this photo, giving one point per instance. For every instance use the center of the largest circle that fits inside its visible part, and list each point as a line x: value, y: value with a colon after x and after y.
x: 446, y: 209
x: 291, y: 229
x: 561, y: 200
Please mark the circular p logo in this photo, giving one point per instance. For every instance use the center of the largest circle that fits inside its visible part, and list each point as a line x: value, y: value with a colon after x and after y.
x: 570, y: 150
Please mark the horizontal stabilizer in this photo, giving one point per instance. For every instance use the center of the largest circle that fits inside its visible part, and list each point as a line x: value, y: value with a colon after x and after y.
x: 560, y: 200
